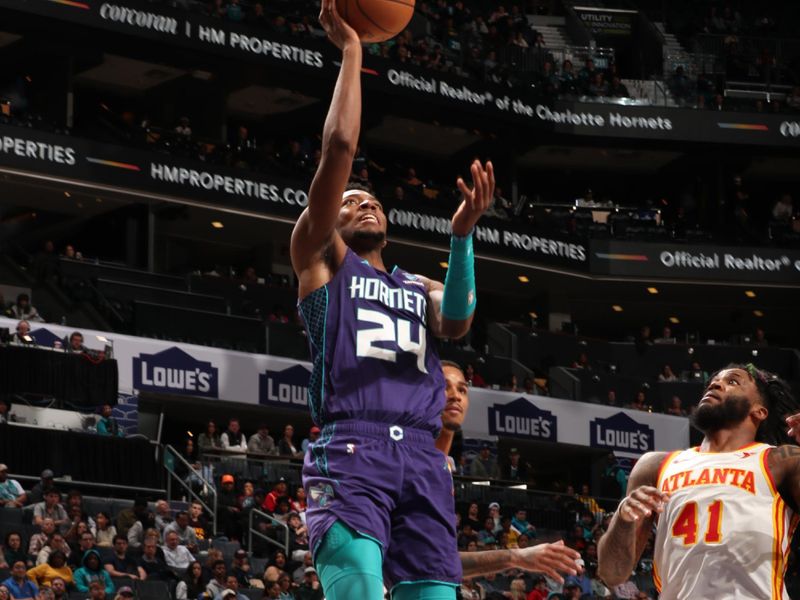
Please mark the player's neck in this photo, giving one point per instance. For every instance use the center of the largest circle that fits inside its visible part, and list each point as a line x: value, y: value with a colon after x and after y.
x: 445, y: 440
x: 726, y: 440
x: 374, y: 258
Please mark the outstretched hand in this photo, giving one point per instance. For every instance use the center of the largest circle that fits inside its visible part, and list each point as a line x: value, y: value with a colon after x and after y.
x: 550, y: 559
x: 339, y: 32
x: 475, y: 200
x: 793, y: 422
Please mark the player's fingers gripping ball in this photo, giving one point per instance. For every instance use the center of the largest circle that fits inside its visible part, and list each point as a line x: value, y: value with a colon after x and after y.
x: 376, y: 20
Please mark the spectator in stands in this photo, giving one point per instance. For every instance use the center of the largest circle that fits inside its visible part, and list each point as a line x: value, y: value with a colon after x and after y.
x: 97, y: 591
x: 42, y: 486
x: 617, y: 89
x: 240, y: 568
x: 128, y: 517
x: 75, y: 500
x: 192, y: 584
x: 473, y: 378
x: 124, y: 593
x: 470, y: 590
x: 103, y: 531
x: 183, y: 128
x: 56, y: 566
x: 209, y: 440
x: 54, y: 542
x: 198, y: 521
x: 299, y: 573
x: 76, y: 343
x: 589, y: 503
x: 19, y: 586
x: 152, y: 564
x: 310, y: 589
x: 11, y: 493
x: 285, y: 446
x: 484, y: 465
x: 233, y: 440
x: 231, y: 591
x: 587, y: 74
x: 85, y: 544
x: 298, y: 503
x: 51, y: 507
x: 614, y: 481
x: 667, y: 374
x: 121, y: 564
x: 676, y: 407
x: 228, y: 507
x: 272, y: 591
x: 760, y: 338
x: 298, y: 536
x: 77, y: 526
x: 107, y: 424
x: 278, y: 492
x: 696, y: 372
x: 521, y: 525
x: 582, y: 362
x: 515, y: 470
x: 163, y: 515
x: 13, y: 550
x: 261, y: 442
x: 611, y: 397
x: 176, y: 556
x: 39, y: 540
x: 22, y: 332
x: 23, y: 310
x: 313, y: 436
x: 71, y: 253
x: 92, y: 571
x: 187, y: 535
x: 276, y: 566
x: 59, y: 588
x: 598, y: 87
x: 216, y: 585
x: 639, y: 401
x: 529, y: 386
x: 666, y: 336
x: 568, y: 82
x: 4, y: 408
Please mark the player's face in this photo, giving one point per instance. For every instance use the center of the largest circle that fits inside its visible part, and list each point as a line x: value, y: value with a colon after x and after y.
x: 456, y: 393
x: 729, y: 398
x: 362, y: 223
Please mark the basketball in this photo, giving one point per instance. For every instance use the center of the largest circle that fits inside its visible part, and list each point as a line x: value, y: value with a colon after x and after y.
x: 376, y: 20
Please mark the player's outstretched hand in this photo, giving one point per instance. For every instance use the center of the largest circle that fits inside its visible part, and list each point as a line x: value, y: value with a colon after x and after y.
x: 550, y: 559
x: 339, y: 32
x: 642, y: 503
x: 476, y: 200
x: 793, y: 423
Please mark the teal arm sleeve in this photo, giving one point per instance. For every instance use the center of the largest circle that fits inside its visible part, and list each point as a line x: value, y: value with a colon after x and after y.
x: 460, y: 298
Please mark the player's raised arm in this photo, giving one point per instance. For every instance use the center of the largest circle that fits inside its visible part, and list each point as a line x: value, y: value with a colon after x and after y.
x: 622, y: 545
x: 314, y: 234
x: 453, y: 304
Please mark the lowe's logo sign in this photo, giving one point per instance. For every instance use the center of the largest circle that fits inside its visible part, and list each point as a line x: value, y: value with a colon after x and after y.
x: 287, y: 388
x: 621, y: 433
x: 522, y: 419
x: 174, y: 371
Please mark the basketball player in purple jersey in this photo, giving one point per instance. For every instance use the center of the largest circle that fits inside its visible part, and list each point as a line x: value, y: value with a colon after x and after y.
x: 380, y: 503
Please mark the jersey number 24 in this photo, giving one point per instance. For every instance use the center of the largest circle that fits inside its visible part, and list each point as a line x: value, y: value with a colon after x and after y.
x: 391, y: 332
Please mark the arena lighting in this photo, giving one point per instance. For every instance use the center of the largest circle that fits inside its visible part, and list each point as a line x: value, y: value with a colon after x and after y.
x: 758, y: 313
x: 754, y: 352
x: 217, y: 224
x: 690, y: 350
x: 523, y: 278
x: 443, y: 264
x: 486, y: 483
x: 750, y: 293
x: 522, y: 486
x: 616, y: 308
x: 674, y: 320
x: 67, y: 195
x: 533, y: 315
x: 652, y: 290
x: 190, y: 434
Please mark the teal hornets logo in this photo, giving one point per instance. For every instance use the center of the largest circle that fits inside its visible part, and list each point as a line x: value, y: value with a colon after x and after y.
x: 321, y: 494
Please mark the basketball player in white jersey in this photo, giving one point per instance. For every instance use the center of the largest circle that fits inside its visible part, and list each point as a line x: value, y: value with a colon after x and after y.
x: 724, y: 511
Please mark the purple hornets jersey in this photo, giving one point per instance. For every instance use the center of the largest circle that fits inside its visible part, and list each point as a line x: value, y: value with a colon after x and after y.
x: 373, y: 355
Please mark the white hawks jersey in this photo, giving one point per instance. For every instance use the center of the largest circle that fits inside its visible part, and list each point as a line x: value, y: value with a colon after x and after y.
x: 725, y: 531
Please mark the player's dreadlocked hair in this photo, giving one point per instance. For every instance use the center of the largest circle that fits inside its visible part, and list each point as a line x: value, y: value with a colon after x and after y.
x: 777, y: 396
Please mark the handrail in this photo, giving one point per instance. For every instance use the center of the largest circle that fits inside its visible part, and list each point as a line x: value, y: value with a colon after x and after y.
x: 251, y: 531
x: 207, y: 485
x: 74, y: 482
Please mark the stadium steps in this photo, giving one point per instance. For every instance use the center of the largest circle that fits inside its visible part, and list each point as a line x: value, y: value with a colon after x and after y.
x: 552, y: 30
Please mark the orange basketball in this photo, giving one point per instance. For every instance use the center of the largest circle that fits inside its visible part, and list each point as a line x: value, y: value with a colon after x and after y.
x: 376, y: 20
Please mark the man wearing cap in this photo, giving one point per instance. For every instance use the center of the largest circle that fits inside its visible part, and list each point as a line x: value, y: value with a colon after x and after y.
x: 310, y: 589
x: 261, y: 442
x: 125, y: 591
x: 313, y: 436
x: 41, y: 488
x: 11, y: 492
x: 484, y: 466
x: 231, y: 590
x: 515, y: 470
x: 229, y: 508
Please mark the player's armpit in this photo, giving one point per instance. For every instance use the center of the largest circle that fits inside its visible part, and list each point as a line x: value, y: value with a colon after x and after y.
x: 783, y: 463
x: 622, y: 545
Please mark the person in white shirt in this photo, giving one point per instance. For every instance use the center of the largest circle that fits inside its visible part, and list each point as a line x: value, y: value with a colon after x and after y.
x: 233, y: 440
x: 176, y: 556
x: 11, y: 492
